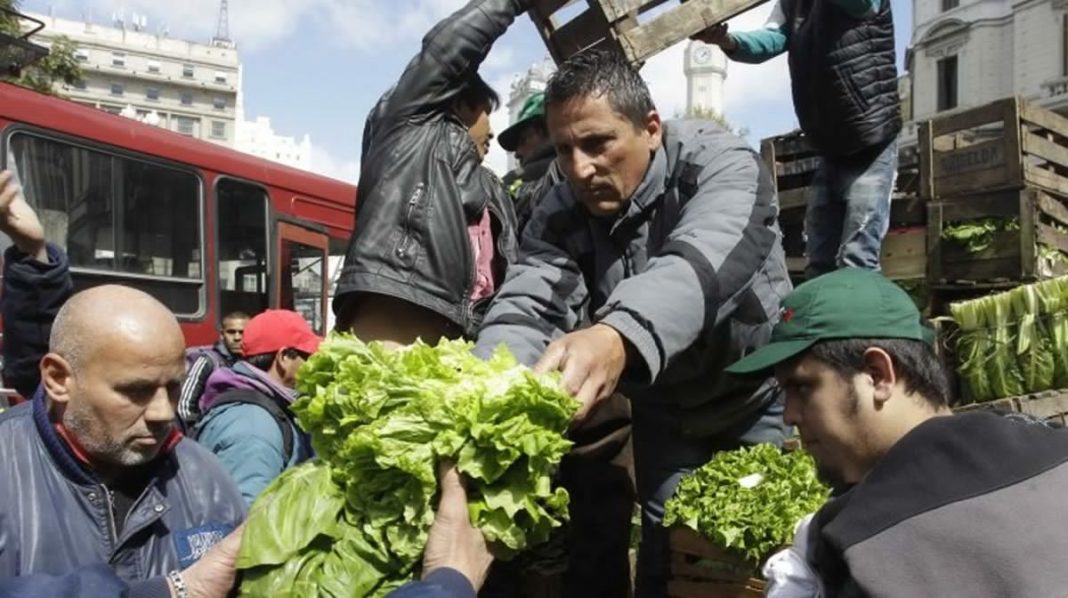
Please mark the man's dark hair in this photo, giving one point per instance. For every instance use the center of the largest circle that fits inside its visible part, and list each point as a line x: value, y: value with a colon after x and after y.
x: 915, y: 363
x: 263, y: 361
x: 477, y: 93
x: 236, y: 315
x: 595, y: 73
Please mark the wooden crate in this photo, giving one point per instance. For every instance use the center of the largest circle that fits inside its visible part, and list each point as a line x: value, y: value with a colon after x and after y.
x: 1007, y: 144
x: 793, y: 162
x: 1014, y: 255
x: 700, y: 569
x: 904, y: 254
x: 631, y: 27
x: 1051, y: 405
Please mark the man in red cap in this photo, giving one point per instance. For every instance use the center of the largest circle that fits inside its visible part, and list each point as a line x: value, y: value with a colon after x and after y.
x: 247, y: 422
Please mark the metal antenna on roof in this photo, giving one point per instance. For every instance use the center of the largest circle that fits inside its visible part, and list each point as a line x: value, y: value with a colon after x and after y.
x: 222, y: 32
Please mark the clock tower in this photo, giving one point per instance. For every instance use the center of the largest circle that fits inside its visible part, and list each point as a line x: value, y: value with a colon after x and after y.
x: 706, y: 72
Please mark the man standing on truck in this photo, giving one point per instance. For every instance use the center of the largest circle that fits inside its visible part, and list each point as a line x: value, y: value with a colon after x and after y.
x: 844, y: 76
x: 536, y: 172
x: 434, y: 229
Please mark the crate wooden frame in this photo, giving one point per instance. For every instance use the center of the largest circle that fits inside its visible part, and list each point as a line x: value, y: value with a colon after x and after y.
x: 1031, y: 149
x: 1013, y: 257
x: 615, y: 24
x: 793, y: 161
x: 1049, y: 405
x: 700, y: 569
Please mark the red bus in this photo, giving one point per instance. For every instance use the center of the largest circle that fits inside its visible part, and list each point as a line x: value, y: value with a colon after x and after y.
x: 205, y: 229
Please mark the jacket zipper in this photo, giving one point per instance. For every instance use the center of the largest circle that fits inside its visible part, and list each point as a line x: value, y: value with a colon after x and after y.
x: 413, y: 201
x: 113, y: 531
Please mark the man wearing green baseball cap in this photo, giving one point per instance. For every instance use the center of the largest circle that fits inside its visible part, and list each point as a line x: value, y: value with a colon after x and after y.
x: 528, y: 139
x: 922, y: 492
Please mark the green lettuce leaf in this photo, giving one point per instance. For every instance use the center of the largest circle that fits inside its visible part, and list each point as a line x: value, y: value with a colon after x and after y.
x: 380, y: 422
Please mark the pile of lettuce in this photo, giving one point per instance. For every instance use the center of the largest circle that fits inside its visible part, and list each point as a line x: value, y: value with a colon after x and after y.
x: 748, y: 501
x: 354, y: 521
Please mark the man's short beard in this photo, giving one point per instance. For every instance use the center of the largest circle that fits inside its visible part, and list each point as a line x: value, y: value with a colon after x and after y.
x: 106, y: 450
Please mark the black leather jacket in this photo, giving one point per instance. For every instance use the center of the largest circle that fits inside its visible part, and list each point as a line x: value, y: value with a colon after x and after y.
x: 421, y: 180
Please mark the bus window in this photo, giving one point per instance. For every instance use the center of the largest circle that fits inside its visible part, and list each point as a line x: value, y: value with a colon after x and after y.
x: 242, y: 253
x: 302, y: 281
x: 119, y: 219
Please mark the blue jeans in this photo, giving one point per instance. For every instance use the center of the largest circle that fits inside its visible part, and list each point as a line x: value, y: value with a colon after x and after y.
x: 849, y: 211
x: 662, y: 456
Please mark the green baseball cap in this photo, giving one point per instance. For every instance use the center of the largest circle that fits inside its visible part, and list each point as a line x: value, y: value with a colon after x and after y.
x: 533, y: 109
x: 846, y: 303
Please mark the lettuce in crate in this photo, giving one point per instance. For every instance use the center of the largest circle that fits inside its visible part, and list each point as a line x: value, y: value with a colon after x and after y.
x: 748, y: 500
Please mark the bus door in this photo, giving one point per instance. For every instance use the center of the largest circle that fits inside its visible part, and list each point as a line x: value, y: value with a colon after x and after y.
x: 302, y: 280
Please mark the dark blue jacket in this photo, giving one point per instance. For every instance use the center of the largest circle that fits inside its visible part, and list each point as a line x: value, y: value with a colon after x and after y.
x: 443, y: 583
x: 33, y: 293
x: 56, y: 530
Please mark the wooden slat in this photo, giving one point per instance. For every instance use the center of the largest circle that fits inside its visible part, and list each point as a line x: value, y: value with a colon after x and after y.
x: 934, y: 241
x: 980, y: 156
x: 546, y: 8
x: 1046, y: 179
x: 970, y: 183
x: 904, y: 254
x: 799, y: 166
x: 793, y: 198
x: 1045, y: 149
x: 1052, y: 237
x: 1047, y: 119
x: 926, y: 145
x: 1026, y: 235
x: 983, y: 115
x: 796, y: 264
x: 1011, y: 134
x: 584, y: 31
x: 617, y: 9
x: 1053, y: 208
x: 678, y: 24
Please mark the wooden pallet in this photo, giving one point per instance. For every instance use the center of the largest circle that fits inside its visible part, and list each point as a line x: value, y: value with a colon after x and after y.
x: 1014, y: 255
x: 1051, y: 405
x: 1007, y: 144
x: 700, y: 569
x: 630, y: 27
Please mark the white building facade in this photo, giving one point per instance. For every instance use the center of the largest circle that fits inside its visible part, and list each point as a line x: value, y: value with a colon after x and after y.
x: 965, y: 53
x: 183, y: 86
x: 257, y: 137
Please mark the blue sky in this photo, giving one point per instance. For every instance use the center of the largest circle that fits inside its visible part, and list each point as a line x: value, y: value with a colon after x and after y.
x: 317, y: 66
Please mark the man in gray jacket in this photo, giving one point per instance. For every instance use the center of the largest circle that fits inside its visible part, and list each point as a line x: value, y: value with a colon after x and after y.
x: 664, y: 239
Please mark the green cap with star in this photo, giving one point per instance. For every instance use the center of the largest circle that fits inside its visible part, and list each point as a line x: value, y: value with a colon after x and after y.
x: 846, y: 303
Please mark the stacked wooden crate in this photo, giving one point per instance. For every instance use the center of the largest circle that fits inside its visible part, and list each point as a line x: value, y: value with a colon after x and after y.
x: 794, y: 163
x: 1004, y: 164
x: 700, y: 569
x: 636, y: 29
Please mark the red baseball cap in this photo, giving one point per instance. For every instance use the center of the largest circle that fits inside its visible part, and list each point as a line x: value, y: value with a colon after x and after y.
x: 277, y: 329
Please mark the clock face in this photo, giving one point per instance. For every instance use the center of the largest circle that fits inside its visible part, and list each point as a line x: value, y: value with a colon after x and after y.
x: 702, y: 55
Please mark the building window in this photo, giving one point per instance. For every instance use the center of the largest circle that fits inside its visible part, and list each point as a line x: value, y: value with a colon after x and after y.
x: 220, y: 77
x: 152, y: 93
x: 118, y: 60
x: 187, y: 71
x: 185, y: 125
x: 116, y: 89
x: 947, y: 83
x: 153, y: 66
x: 118, y: 218
x: 219, y: 103
x: 187, y: 98
x: 80, y: 84
x: 950, y: 4
x: 218, y: 129
x: 81, y: 54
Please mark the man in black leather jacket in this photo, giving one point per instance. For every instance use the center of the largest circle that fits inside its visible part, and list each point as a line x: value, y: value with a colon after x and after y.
x: 435, y: 230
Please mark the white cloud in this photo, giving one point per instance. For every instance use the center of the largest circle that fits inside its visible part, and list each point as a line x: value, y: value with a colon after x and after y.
x: 334, y: 166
